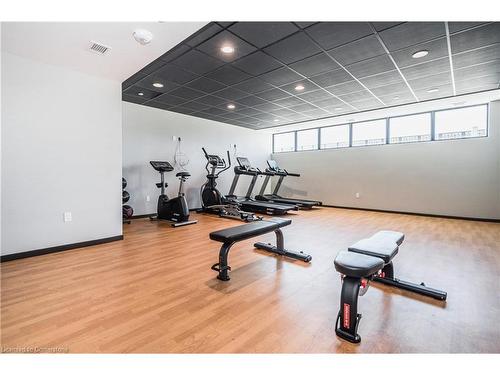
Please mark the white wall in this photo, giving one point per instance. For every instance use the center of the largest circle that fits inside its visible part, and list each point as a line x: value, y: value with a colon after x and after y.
x: 147, y: 135
x: 457, y: 177
x: 61, y: 151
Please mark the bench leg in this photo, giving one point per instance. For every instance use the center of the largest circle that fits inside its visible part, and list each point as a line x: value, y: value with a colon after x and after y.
x: 280, y: 248
x: 389, y: 279
x: 348, y: 318
x: 222, y: 267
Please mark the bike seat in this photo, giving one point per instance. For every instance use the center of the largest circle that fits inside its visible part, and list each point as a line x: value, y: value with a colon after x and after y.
x: 183, y: 174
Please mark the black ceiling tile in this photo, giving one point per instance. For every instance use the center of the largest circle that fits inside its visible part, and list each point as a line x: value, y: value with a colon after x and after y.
x: 429, y: 82
x: 280, y: 76
x: 257, y: 63
x: 410, y: 33
x: 273, y: 94
x: 253, y: 85
x: 299, y: 117
x: 183, y: 110
x: 314, y: 96
x: 339, y: 109
x: 153, y: 66
x: 459, y: 26
x: 443, y: 91
x: 248, y: 111
x: 382, y: 79
x: 283, y: 112
x: 133, y: 99
x: 213, y: 111
x: 213, y: 47
x: 195, y: 106
x: 314, y: 65
x: 307, y: 86
x: 345, y: 88
x: 317, y: 113
x: 358, y: 50
x: 328, y: 103
x: 170, y: 99
x: 293, y: 48
x: 267, y: 107
x: 187, y: 93
x: 357, y: 96
x: 333, y: 34
x: 303, y: 107
x: 198, y: 62
x: 148, y: 82
x: 304, y: 25
x: 265, y: 116
x: 333, y: 77
x: 379, y: 26
x: 251, y: 100
x: 426, y: 69
x: 228, y: 75
x: 289, y: 101
x: 132, y: 79
x: 225, y: 23
x: 205, y: 33
x: 475, y: 57
x: 437, y: 49
x: 492, y: 67
x: 233, y: 116
x: 141, y: 93
x: 376, y: 65
x: 482, y: 36
x: 231, y: 93
x: 477, y: 89
x: 365, y: 105
x: 489, y: 80
x: 211, y: 100
x: 262, y: 34
x: 175, y: 53
x: 158, y: 105
x: 205, y: 84
x: 392, y: 89
x: 397, y: 98
x: 175, y: 74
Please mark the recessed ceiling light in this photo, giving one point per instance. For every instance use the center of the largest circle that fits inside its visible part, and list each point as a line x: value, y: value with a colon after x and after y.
x: 432, y: 90
x: 396, y: 98
x: 276, y: 120
x: 158, y: 84
x: 299, y: 88
x: 227, y: 49
x: 141, y: 94
x: 338, y: 109
x: 419, y: 54
x: 231, y: 106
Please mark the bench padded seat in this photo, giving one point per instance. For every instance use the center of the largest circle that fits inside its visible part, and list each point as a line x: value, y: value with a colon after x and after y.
x: 245, y: 231
x: 357, y: 265
x: 383, y: 245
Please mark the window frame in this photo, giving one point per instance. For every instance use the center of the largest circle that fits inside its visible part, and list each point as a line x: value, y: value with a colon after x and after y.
x: 333, y: 126
x: 317, y: 139
x: 387, y: 133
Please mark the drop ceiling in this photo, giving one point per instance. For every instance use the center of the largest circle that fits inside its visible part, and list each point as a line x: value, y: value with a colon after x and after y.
x: 282, y: 73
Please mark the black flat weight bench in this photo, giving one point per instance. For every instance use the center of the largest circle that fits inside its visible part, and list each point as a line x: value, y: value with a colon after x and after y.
x: 230, y: 236
x: 368, y: 260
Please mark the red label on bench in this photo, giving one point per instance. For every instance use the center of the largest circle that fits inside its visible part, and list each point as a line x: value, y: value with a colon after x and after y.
x: 347, y: 315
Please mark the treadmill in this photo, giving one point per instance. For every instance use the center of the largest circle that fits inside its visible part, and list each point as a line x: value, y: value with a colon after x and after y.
x: 275, y: 170
x: 247, y: 203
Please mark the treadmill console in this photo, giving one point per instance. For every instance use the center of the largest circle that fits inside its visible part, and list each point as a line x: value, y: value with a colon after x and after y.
x: 274, y: 166
x: 162, y: 166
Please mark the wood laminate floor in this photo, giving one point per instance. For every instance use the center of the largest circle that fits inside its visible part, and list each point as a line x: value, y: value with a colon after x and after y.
x: 154, y: 291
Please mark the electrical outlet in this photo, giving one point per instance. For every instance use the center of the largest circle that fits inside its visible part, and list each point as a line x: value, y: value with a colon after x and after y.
x: 148, y: 198
x: 67, y: 217
x: 174, y: 138
x: 357, y: 195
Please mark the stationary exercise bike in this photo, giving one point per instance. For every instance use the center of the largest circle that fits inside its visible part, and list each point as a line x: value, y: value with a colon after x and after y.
x: 212, y: 201
x: 176, y: 209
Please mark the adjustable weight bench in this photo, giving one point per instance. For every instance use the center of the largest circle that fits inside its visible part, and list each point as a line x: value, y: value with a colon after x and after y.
x: 230, y: 236
x: 370, y: 259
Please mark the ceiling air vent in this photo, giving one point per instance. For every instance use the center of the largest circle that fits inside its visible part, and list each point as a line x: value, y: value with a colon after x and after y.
x: 98, y: 48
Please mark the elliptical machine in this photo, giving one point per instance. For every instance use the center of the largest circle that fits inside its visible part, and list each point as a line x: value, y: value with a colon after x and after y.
x: 176, y: 209
x: 212, y: 201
